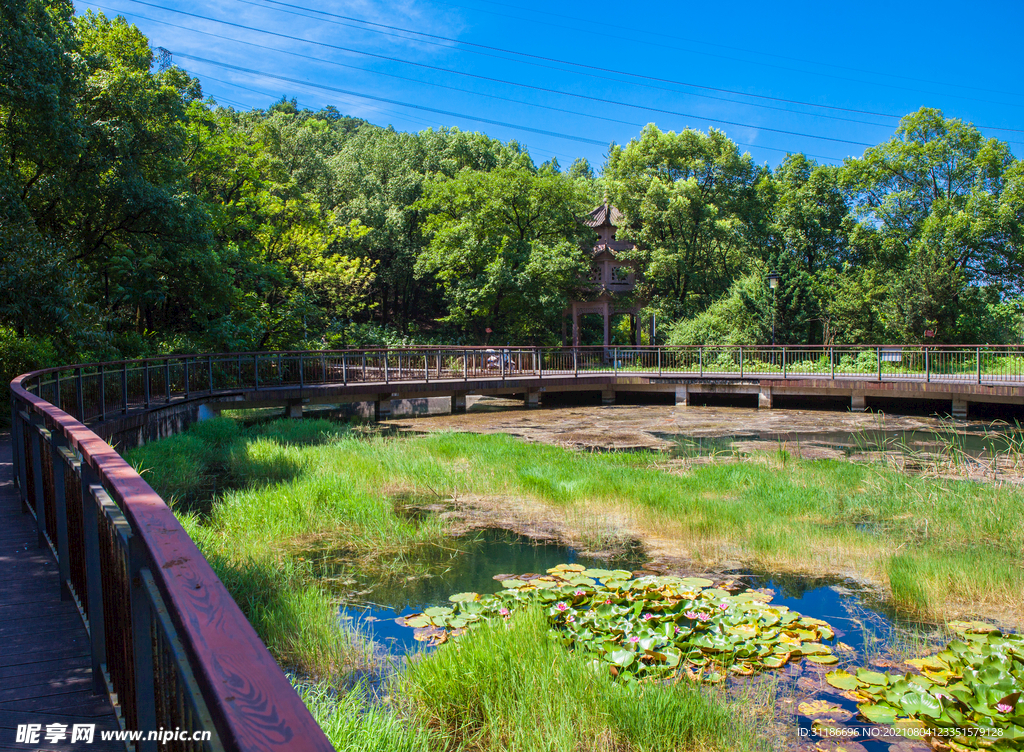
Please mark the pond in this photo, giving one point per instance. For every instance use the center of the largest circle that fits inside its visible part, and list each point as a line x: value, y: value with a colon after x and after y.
x: 866, y: 633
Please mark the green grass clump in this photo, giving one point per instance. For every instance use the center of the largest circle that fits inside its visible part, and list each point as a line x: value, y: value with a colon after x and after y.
x: 354, y: 723
x: 506, y: 686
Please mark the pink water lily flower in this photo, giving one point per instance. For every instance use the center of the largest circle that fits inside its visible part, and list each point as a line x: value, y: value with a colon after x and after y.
x: 608, y: 602
x: 647, y: 617
x: 561, y: 606
x: 690, y: 614
x: 634, y: 638
x: 723, y: 606
x: 503, y: 611
x: 1004, y: 708
x: 704, y: 617
x: 579, y: 592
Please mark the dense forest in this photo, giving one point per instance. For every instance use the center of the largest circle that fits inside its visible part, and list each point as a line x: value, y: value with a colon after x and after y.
x: 138, y: 217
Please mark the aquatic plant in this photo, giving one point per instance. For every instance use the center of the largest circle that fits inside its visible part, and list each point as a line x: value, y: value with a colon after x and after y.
x: 967, y: 695
x: 635, y: 627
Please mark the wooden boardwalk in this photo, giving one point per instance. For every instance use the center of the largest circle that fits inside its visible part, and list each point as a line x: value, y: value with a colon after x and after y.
x: 45, y: 675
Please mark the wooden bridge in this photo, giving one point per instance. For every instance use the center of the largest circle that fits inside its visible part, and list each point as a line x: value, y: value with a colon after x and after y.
x: 110, y: 616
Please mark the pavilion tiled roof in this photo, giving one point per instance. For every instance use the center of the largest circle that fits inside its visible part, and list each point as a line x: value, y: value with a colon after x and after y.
x: 605, y: 214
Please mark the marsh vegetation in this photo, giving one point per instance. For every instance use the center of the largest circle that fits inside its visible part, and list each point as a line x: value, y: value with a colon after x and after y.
x: 296, y: 515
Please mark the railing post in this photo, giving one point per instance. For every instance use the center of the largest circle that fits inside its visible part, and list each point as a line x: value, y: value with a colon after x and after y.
x: 700, y: 360
x: 142, y: 645
x: 35, y: 444
x: 927, y: 365
x: 103, y: 393
x: 832, y: 362
x: 188, y: 386
x: 145, y: 389
x: 465, y: 365
x: 79, y: 395
x: 93, y: 577
x: 238, y: 366
x: 659, y: 360
x: 209, y: 370
x: 167, y: 378
x: 426, y: 368
x: 741, y: 362
x: 878, y: 355
x: 256, y: 371
x: 575, y: 364
x: 784, y: 375
x: 387, y: 376
x: 56, y: 390
x: 978, y: 354
x: 124, y: 388
x: 344, y: 368
x: 438, y: 359
x: 16, y: 445
x: 57, y: 443
x: 302, y: 371
x: 19, y: 436
x: 501, y: 359
x: 615, y: 361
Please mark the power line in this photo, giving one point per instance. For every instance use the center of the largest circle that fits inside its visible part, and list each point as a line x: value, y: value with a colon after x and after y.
x: 590, y: 67
x: 621, y: 38
x: 510, y: 83
x: 615, y: 71
x: 254, y: 72
x: 760, y: 52
x: 429, y: 83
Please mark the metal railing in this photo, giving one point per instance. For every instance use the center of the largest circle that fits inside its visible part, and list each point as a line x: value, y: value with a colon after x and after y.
x: 168, y: 642
x: 97, y: 392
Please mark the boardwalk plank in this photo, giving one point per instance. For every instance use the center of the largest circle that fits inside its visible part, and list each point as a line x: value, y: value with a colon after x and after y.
x: 45, y: 673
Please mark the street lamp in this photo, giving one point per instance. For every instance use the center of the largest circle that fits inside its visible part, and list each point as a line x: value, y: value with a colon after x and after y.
x: 773, y: 282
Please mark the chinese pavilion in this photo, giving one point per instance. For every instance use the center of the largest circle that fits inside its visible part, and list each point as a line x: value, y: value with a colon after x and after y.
x: 612, y: 279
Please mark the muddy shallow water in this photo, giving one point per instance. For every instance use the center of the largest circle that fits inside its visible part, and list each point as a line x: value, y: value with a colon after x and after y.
x: 657, y: 426
x: 980, y: 450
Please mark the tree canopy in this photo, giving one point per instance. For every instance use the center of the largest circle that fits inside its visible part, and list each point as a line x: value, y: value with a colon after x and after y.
x: 138, y: 216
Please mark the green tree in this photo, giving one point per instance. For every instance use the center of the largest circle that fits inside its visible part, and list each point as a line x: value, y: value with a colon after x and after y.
x: 932, y: 195
x: 689, y: 202
x: 507, y: 248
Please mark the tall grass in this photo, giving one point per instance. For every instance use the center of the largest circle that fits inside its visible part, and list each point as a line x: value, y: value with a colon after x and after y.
x: 511, y: 687
x: 354, y: 723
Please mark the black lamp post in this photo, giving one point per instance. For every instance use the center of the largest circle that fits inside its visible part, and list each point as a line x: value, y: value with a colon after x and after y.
x: 773, y: 282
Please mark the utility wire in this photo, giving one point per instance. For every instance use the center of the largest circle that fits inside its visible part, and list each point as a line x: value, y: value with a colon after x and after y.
x: 890, y: 74
x: 431, y: 83
x: 620, y: 38
x: 762, y: 52
x: 611, y: 70
x: 502, y: 123
x: 590, y: 67
x: 510, y: 83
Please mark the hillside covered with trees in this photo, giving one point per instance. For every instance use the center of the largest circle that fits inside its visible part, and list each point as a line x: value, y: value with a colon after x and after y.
x: 138, y: 217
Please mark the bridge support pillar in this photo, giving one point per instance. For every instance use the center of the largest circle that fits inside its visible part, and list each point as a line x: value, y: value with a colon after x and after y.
x: 764, y: 398
x: 293, y: 410
x: 532, y: 398
x: 858, y: 403
x: 382, y: 407
x: 682, y: 396
x: 458, y: 403
x: 959, y: 409
x: 608, y: 397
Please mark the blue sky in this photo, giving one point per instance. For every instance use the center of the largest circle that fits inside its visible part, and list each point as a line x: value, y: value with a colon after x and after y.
x: 818, y: 77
